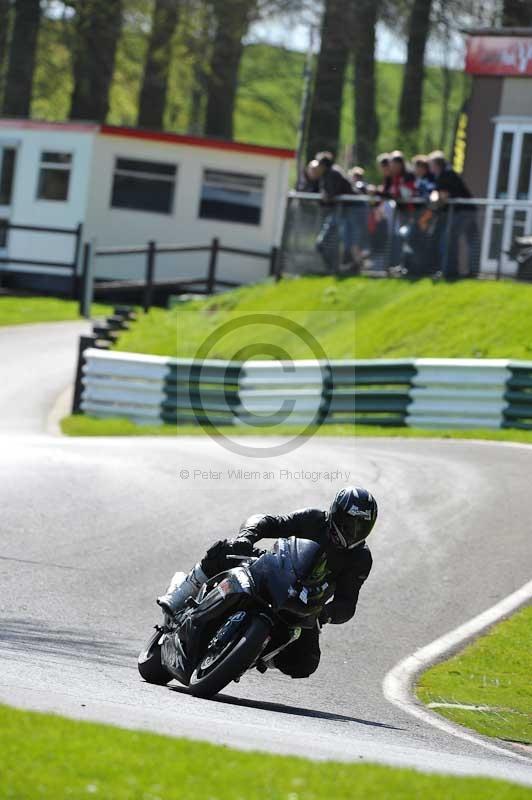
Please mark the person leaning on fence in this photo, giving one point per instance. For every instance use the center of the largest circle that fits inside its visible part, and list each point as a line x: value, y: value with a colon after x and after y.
x: 454, y: 222
x: 425, y: 181
x: 359, y: 215
x: 379, y: 214
x: 309, y: 180
x: 420, y: 254
x: 383, y: 165
x: 332, y: 184
x: 401, y: 189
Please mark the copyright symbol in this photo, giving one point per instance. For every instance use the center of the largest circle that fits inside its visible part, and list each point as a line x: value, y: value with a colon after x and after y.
x: 184, y: 474
x: 206, y: 406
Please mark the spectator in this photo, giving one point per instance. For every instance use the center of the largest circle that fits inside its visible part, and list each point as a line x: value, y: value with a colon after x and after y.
x: 425, y: 180
x: 332, y: 184
x: 383, y: 165
x: 403, y: 183
x: 356, y: 176
x: 420, y: 250
x: 309, y: 180
x: 358, y: 218
x: 459, y: 220
x: 402, y: 187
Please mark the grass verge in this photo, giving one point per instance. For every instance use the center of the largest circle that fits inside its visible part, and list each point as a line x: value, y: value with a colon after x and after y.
x: 493, y: 673
x: 49, y: 757
x: 81, y: 425
x: 24, y: 310
x: 350, y: 318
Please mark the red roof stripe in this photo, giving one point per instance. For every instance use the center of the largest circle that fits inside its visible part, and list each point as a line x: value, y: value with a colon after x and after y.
x: 196, y: 141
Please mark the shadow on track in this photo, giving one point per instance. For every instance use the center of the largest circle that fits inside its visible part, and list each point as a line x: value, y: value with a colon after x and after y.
x: 296, y: 711
x: 21, y: 636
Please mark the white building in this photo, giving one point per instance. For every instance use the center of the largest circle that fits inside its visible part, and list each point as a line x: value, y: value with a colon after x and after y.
x: 127, y: 186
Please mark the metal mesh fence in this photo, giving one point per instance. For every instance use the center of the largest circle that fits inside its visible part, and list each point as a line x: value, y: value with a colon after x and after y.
x: 463, y: 238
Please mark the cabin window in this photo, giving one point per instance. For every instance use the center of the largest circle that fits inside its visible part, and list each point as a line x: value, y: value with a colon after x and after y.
x: 144, y: 185
x: 231, y: 197
x: 54, y: 176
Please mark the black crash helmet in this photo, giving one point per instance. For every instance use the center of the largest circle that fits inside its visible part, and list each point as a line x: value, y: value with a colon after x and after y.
x: 352, y: 516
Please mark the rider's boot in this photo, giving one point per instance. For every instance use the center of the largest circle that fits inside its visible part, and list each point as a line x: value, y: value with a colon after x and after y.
x: 181, y: 588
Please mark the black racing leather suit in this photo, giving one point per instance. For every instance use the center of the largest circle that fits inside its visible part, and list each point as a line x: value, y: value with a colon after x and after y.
x: 348, y: 569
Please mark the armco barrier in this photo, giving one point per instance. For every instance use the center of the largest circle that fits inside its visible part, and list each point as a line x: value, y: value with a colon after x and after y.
x: 518, y: 396
x: 427, y: 393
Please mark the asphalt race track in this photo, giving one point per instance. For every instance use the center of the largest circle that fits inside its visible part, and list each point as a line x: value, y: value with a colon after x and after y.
x: 92, y: 529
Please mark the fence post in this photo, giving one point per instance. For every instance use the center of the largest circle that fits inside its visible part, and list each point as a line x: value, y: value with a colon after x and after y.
x: 213, y: 263
x: 274, y: 252
x: 447, y: 241
x: 501, y: 252
x: 391, y: 239
x: 150, y: 271
x: 84, y: 343
x: 87, y: 279
x: 77, y: 247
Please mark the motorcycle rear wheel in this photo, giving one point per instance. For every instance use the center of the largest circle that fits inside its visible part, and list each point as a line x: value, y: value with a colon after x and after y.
x: 149, y: 662
x: 247, y: 648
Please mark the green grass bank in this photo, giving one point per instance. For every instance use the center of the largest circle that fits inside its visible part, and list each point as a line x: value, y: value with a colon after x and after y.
x: 26, y: 309
x: 81, y: 425
x: 350, y: 318
x: 494, y: 675
x: 46, y: 757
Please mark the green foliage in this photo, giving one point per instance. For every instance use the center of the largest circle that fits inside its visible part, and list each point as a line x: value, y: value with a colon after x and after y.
x: 494, y: 672
x: 25, y: 310
x: 81, y: 425
x: 48, y: 757
x: 372, y: 319
x: 269, y: 94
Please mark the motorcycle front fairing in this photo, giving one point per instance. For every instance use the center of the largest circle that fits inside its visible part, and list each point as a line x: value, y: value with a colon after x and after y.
x: 221, y: 595
x: 292, y: 577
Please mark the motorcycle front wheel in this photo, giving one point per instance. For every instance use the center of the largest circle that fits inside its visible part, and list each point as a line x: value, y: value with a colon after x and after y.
x: 217, y: 669
x: 149, y: 662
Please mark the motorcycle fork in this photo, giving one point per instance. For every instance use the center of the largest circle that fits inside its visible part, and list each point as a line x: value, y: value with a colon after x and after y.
x: 266, y: 661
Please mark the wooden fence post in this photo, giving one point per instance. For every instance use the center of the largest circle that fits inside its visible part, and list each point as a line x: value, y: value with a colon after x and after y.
x: 87, y: 279
x: 213, y: 264
x: 150, y: 272
x: 84, y: 343
x: 75, y: 260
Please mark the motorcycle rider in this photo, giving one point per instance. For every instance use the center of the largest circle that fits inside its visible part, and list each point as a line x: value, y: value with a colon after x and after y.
x: 341, y: 531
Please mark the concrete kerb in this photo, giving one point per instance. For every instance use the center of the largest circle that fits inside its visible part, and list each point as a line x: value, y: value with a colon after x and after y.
x: 398, y: 684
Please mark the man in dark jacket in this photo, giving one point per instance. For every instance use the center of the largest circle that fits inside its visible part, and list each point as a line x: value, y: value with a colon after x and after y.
x: 462, y: 219
x: 341, y: 532
x: 332, y: 183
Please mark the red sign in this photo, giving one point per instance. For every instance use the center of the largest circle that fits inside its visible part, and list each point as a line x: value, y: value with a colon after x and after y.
x: 499, y: 55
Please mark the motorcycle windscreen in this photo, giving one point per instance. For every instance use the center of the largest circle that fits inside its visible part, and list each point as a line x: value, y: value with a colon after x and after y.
x: 304, y: 554
x: 278, y: 573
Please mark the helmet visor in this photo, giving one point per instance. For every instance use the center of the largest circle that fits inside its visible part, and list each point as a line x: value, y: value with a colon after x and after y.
x: 348, y: 531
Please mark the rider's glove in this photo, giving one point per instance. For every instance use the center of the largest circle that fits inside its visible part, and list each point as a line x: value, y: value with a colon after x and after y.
x: 241, y: 546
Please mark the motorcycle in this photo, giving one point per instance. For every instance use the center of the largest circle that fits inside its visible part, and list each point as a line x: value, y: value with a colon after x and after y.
x: 241, y: 619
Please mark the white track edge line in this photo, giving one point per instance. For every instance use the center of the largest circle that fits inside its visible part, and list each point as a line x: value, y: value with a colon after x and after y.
x: 398, y: 682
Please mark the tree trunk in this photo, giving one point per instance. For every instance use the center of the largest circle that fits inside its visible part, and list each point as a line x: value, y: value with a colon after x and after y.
x: 232, y: 19
x: 197, y: 41
x: 410, y: 106
x: 98, y: 27
x: 517, y: 13
x: 326, y: 106
x: 21, y: 64
x: 155, y: 81
x: 366, y: 120
x: 5, y: 16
